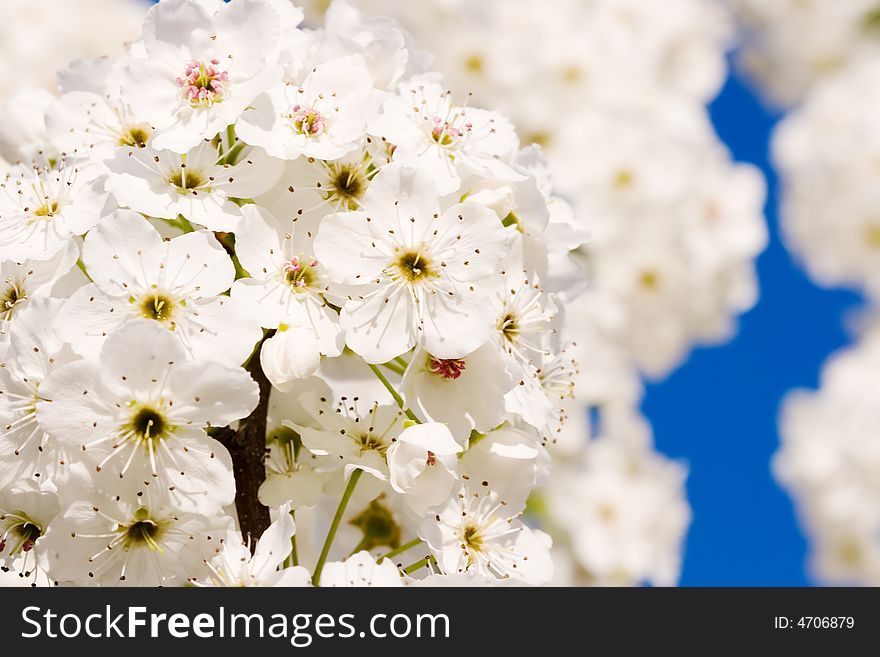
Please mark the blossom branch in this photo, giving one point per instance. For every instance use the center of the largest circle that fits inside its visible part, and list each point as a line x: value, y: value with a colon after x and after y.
x: 247, y: 447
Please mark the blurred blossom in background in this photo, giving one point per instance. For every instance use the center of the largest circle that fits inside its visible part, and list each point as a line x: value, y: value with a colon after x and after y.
x: 820, y: 60
x: 616, y: 93
x: 38, y: 38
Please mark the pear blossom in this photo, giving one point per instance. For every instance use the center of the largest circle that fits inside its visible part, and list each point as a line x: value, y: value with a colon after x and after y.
x: 289, y: 355
x: 203, y: 64
x: 199, y: 185
x: 28, y: 453
x: 235, y: 566
x: 423, y: 465
x: 325, y: 116
x: 25, y: 513
x: 177, y: 284
x: 474, y: 531
x: 134, y: 536
x: 356, y: 436
x: 140, y: 409
x: 447, y: 140
x: 412, y: 274
x: 285, y: 285
x: 467, y: 394
x: 92, y: 117
x: 42, y: 209
x: 23, y: 280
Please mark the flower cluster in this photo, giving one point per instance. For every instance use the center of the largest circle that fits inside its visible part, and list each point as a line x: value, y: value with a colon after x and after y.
x: 792, y: 46
x: 248, y: 263
x: 615, y: 92
x: 829, y: 460
x: 826, y: 149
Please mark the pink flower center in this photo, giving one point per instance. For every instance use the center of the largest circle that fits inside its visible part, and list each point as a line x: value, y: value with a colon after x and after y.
x: 300, y: 273
x: 432, y: 458
x: 448, y: 368
x: 445, y: 133
x: 308, y: 121
x: 204, y: 84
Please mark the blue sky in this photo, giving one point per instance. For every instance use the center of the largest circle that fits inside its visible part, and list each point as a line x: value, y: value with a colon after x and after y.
x: 718, y: 412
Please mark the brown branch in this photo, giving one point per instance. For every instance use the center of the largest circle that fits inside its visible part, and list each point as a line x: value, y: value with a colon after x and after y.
x: 247, y: 446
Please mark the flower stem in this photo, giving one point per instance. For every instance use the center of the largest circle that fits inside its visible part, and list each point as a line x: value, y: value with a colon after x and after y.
x: 419, y: 564
x: 394, y: 367
x: 399, y: 550
x: 294, y: 557
x: 397, y: 398
x: 365, y: 541
x: 340, y: 510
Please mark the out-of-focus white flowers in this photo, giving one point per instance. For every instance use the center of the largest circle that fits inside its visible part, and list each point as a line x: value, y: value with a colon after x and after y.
x: 827, y: 151
x: 625, y: 512
x: 40, y: 37
x: 830, y: 461
x: 247, y: 263
x: 821, y: 58
x: 792, y: 46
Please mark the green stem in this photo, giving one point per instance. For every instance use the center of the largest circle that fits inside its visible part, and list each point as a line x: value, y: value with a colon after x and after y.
x: 419, y: 564
x: 365, y: 541
x: 397, y: 398
x: 232, y: 155
x: 294, y: 557
x: 399, y: 550
x: 393, y: 367
x: 402, y: 361
x: 346, y: 496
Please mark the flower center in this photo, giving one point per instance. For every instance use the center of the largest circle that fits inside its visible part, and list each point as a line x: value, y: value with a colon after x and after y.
x: 308, y: 121
x: 186, y: 180
x: 204, y: 84
x: 347, y: 185
x: 300, y: 274
x: 445, y: 133
x: 369, y: 442
x: 471, y: 538
x: 148, y: 424
x: 649, y: 280
x: 509, y: 327
x: 135, y: 137
x: 22, y: 530
x: 474, y: 63
x: 623, y: 179
x: 158, y: 307
x: 448, y: 368
x: 10, y: 297
x: 413, y: 266
x: 872, y: 236
x: 143, y: 532
x: 47, y: 210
